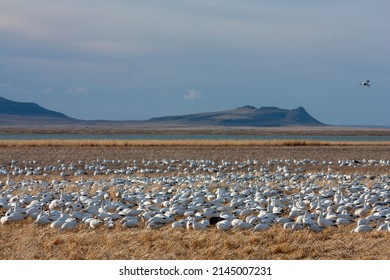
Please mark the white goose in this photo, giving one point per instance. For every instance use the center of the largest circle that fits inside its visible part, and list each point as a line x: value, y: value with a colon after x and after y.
x: 363, y: 228
x: 366, y: 83
x: 384, y: 227
x: 43, y: 219
x: 343, y: 221
x: 197, y: 225
x: 244, y: 225
x: 330, y: 214
x: 130, y: 222
x: 363, y: 221
x: 224, y: 225
x: 57, y: 224
x: 261, y: 227
x: 95, y: 223
x: 325, y: 222
x: 315, y: 227
x: 69, y: 224
x: 360, y: 212
x: 155, y: 224
x: 179, y: 224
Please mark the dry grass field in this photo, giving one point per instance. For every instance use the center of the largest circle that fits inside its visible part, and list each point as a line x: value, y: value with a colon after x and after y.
x: 23, y: 240
x: 26, y: 241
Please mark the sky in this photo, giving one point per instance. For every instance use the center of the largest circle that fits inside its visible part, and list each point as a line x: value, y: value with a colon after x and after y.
x: 134, y: 60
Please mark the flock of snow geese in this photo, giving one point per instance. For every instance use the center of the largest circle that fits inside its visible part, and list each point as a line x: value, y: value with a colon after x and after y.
x: 196, y: 195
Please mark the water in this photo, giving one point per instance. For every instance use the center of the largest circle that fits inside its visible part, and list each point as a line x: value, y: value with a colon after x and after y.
x: 188, y: 137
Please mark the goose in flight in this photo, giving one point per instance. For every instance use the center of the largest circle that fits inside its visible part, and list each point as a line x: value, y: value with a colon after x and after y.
x: 365, y: 83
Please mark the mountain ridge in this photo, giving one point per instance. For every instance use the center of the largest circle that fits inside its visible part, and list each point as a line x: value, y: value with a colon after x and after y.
x: 28, y: 109
x: 27, y: 113
x: 247, y: 115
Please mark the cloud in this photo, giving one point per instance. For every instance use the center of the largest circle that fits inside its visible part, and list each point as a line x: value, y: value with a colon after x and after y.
x: 192, y: 94
x: 77, y: 90
x: 132, y: 28
x: 10, y: 88
x: 48, y: 90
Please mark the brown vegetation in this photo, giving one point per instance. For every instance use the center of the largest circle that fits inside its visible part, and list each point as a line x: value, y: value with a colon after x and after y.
x: 26, y: 241
x: 178, y: 143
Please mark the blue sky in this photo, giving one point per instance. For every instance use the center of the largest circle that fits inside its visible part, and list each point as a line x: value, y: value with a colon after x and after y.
x: 133, y: 60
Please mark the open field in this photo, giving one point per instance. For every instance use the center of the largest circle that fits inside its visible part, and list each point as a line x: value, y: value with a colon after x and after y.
x: 145, y: 128
x: 364, y: 169
x: 31, y: 242
x: 185, y: 143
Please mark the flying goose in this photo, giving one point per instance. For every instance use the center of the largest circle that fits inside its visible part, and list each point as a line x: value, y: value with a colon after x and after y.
x: 365, y: 83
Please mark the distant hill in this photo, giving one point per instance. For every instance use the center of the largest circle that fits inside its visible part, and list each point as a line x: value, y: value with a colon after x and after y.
x: 8, y: 107
x: 14, y: 113
x: 245, y: 116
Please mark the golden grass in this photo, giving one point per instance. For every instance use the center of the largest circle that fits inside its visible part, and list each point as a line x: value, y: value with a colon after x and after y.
x: 176, y: 143
x: 26, y: 241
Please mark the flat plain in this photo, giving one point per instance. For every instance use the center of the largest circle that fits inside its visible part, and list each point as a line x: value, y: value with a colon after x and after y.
x: 26, y: 240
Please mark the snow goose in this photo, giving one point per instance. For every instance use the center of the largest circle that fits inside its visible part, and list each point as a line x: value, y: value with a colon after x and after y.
x: 363, y: 228
x: 288, y: 225
x: 261, y: 227
x: 154, y: 224
x: 363, y: 221
x: 235, y: 222
x: 109, y: 223
x: 307, y: 219
x: 130, y: 222
x: 366, y: 83
x: 95, y: 223
x: 57, y: 224
x: 330, y: 214
x: 343, y: 221
x: 325, y: 222
x: 194, y: 224
x: 315, y: 227
x: 179, y: 224
x: 244, y: 225
x: 4, y: 220
x: 283, y: 220
x: 224, y: 225
x: 384, y: 227
x: 295, y: 212
x: 297, y: 226
x: 69, y: 224
x: 43, y: 219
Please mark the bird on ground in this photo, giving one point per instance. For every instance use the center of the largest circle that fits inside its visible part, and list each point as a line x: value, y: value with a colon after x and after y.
x: 365, y: 83
x: 224, y: 225
x: 384, y: 227
x: 363, y: 228
x: 323, y: 222
x: 261, y: 227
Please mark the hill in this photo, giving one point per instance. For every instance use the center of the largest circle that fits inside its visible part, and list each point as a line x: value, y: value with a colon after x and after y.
x: 26, y: 113
x: 245, y: 116
x: 14, y: 113
x: 8, y: 107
